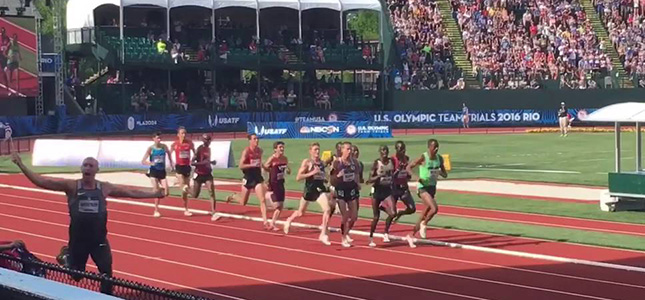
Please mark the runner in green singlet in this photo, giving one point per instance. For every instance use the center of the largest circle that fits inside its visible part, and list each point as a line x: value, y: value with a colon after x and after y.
x: 430, y: 168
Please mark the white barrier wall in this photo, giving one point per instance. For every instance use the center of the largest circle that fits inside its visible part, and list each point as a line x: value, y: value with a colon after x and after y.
x: 112, y: 153
x: 56, y: 153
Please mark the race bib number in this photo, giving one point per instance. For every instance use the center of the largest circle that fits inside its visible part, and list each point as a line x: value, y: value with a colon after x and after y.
x: 280, y: 175
x: 184, y: 154
x: 88, y: 206
x: 387, y: 180
x: 349, y: 177
x: 158, y: 160
x: 319, y: 176
x: 403, y: 174
x: 434, y: 173
x: 255, y: 162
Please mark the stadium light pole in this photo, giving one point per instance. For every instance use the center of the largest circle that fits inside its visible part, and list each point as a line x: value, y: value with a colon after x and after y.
x: 121, y: 31
x: 299, y: 21
x: 168, y: 20
x: 341, y: 22
x: 617, y: 138
x: 257, y: 20
x: 638, y: 147
x: 213, y: 22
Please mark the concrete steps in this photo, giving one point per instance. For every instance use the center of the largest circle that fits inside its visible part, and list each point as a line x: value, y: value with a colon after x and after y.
x: 459, y: 53
x: 603, y: 35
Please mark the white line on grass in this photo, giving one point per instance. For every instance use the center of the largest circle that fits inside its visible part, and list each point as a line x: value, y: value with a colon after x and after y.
x: 364, y: 233
x: 518, y: 170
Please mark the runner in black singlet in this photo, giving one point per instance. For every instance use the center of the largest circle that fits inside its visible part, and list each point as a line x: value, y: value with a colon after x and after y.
x: 344, y: 178
x: 381, y: 177
x: 400, y: 189
x: 312, y: 170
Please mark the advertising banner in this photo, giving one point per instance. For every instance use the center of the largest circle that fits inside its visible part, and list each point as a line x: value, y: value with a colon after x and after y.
x: 237, y: 121
x: 318, y: 130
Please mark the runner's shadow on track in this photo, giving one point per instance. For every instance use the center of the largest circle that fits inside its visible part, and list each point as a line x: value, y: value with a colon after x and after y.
x: 493, y: 242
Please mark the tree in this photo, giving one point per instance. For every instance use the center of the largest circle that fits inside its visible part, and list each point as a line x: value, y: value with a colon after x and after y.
x: 46, y: 10
x: 365, y: 23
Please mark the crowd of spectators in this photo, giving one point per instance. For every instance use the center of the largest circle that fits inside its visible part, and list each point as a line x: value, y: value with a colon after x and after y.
x: 626, y: 27
x: 424, y: 49
x: 520, y: 43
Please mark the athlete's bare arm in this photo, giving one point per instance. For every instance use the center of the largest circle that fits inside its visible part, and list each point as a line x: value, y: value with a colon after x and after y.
x: 192, y: 148
x: 302, y: 171
x: 267, y: 165
x: 172, y: 165
x: 286, y: 160
x: 415, y: 163
x: 443, y: 173
x: 63, y: 185
x: 145, y: 161
x: 373, y: 176
x: 172, y: 148
x: 126, y: 192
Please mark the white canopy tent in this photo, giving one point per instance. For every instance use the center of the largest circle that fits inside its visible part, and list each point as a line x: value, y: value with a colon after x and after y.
x: 80, y: 13
x: 629, y: 112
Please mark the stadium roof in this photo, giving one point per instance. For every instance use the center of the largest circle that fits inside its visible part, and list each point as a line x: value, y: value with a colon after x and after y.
x: 80, y: 13
x: 628, y: 112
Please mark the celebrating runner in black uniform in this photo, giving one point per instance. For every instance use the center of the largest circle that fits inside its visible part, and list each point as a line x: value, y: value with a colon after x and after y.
x: 87, y: 203
x: 400, y: 189
x: 312, y: 170
x: 344, y: 178
x: 381, y: 177
x: 276, y: 165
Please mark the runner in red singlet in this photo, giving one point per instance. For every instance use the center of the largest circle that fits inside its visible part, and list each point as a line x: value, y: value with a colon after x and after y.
x: 183, y: 148
x: 277, y: 165
x: 204, y: 172
x: 251, y: 166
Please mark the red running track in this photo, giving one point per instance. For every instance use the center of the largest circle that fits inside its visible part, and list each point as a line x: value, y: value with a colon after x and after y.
x: 463, y: 212
x: 237, y: 259
x: 513, y: 217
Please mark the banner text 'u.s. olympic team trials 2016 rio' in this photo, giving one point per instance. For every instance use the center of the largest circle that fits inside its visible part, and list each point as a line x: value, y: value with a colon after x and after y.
x: 237, y: 121
x: 319, y: 130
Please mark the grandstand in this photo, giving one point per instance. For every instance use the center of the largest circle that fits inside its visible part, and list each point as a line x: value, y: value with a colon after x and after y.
x: 295, y: 57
